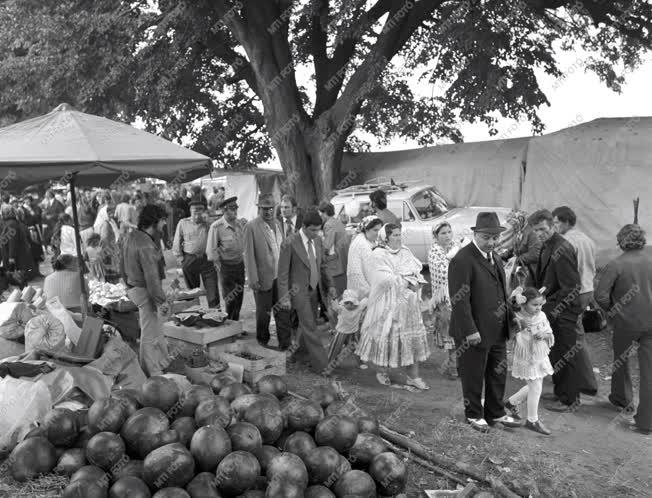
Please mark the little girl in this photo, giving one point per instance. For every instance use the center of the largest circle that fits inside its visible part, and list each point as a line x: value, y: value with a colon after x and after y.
x: 533, y: 342
x: 94, y: 257
x: 350, y: 312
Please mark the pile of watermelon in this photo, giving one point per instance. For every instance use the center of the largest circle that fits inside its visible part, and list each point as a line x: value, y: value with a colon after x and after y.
x: 216, y: 441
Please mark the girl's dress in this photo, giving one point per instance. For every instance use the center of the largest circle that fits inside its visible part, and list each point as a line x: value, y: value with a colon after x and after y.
x: 95, y: 265
x: 348, y: 321
x: 392, y: 333
x: 531, y: 354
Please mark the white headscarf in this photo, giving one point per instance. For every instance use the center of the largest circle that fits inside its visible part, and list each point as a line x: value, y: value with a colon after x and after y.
x: 102, y: 217
x: 383, y: 240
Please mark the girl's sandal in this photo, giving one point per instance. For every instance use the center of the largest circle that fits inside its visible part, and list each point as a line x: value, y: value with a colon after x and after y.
x: 383, y: 379
x: 418, y: 383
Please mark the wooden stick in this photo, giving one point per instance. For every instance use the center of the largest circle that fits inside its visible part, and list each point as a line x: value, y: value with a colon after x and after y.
x: 437, y: 460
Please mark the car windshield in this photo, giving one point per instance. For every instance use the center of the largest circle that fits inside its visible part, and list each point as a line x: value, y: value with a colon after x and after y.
x: 429, y: 204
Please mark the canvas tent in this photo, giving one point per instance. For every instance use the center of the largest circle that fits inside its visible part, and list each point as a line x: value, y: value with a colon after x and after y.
x: 596, y: 168
x: 468, y: 174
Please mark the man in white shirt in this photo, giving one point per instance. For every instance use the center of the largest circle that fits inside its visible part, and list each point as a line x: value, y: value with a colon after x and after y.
x: 289, y: 217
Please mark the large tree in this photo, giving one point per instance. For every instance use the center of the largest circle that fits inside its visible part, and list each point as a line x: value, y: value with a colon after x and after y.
x: 236, y: 78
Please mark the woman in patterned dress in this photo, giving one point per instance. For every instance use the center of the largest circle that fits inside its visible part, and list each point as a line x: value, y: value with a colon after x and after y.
x: 392, y: 333
x: 441, y: 252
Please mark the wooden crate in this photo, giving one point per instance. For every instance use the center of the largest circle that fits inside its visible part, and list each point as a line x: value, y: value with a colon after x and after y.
x: 184, y: 340
x: 272, y: 362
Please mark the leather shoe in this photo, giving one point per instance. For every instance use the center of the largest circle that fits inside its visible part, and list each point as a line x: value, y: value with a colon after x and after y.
x: 479, y: 424
x: 537, y: 427
x: 616, y: 403
x: 513, y: 410
x: 560, y: 407
x: 549, y: 397
x: 506, y: 420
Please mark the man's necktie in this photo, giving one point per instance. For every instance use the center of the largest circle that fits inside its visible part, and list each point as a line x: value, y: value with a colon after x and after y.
x: 288, y: 230
x: 489, y: 260
x: 314, y: 275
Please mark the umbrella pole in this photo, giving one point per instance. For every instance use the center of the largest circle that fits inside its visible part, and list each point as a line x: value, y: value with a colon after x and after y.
x: 75, y: 218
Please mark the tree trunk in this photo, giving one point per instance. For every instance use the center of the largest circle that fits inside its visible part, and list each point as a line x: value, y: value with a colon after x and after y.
x: 311, y: 159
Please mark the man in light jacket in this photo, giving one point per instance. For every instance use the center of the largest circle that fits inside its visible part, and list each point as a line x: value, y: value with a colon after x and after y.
x: 262, y: 245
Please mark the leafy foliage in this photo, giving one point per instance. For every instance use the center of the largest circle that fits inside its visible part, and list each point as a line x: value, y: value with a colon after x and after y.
x: 201, y: 72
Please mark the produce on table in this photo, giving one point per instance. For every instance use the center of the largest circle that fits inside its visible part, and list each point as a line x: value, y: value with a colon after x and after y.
x: 245, y: 437
x: 60, y: 425
x: 355, y: 484
x: 234, y: 390
x: 318, y: 492
x: 367, y: 446
x: 185, y: 427
x: 214, y: 411
x: 300, y: 443
x: 32, y: 457
x: 322, y: 464
x: 272, y: 384
x: 302, y: 415
x: 237, y: 473
x: 211, y: 452
x: 105, y: 449
x: 209, y: 446
x: 203, y: 486
x: 71, y: 461
x: 168, y: 466
x: 267, y: 416
x: 390, y: 473
x: 171, y: 493
x: 189, y: 401
x: 141, y: 427
x: 108, y: 414
x: 129, y: 487
x: 338, y: 431
x: 160, y: 392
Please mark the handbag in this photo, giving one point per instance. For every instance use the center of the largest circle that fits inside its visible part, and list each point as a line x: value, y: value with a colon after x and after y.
x: 594, y: 320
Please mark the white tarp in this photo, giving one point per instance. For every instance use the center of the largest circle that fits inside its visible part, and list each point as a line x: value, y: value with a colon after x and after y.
x: 468, y: 174
x: 597, y: 169
x: 245, y: 187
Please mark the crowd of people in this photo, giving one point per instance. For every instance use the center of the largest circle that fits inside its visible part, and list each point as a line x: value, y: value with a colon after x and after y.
x: 530, y: 281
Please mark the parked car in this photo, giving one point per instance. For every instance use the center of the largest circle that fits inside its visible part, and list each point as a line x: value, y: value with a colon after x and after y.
x: 419, y: 208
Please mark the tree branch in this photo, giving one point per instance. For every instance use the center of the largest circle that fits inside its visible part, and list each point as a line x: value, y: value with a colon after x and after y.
x: 401, y: 23
x: 318, y: 40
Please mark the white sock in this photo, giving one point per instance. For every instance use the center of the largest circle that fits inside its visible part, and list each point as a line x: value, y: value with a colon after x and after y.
x: 534, y: 393
x: 519, y: 396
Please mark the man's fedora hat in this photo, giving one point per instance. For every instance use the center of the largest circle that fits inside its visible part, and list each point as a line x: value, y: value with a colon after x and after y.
x: 266, y: 201
x: 487, y: 222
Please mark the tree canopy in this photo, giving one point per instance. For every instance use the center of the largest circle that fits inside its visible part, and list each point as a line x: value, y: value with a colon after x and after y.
x: 235, y: 79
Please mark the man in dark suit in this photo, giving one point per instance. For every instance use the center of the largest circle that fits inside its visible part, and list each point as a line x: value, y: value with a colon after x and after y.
x: 558, y: 272
x: 262, y: 245
x: 302, y: 275
x: 290, y: 219
x: 479, y: 324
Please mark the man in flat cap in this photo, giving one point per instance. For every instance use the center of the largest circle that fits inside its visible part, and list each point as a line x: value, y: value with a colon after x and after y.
x: 262, y: 245
x: 189, y: 247
x: 479, y: 324
x: 225, y: 248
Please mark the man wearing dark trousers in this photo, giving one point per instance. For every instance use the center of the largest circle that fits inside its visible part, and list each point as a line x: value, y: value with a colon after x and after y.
x: 558, y: 272
x: 262, y: 246
x: 225, y: 249
x: 479, y: 324
x: 189, y: 247
x: 302, y: 276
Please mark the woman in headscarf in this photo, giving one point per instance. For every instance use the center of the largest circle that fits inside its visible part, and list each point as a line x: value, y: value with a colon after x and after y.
x: 393, y: 334
x: 522, y: 244
x: 358, y: 271
x: 441, y: 252
x: 107, y: 229
x: 15, y: 246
